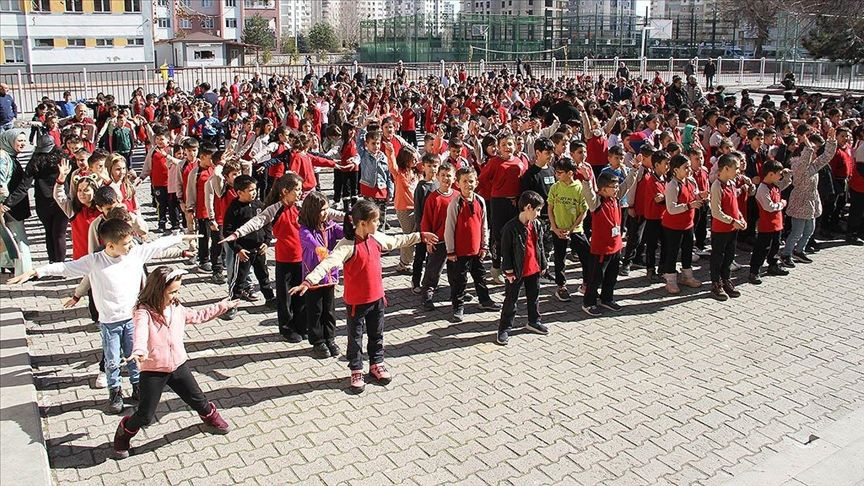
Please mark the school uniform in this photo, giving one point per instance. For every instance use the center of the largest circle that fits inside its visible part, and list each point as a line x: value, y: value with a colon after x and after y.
x: 605, y: 250
x: 770, y: 203
x: 466, y: 235
x: 435, y: 221
x: 677, y: 222
x: 724, y: 209
x: 421, y: 192
x: 653, y: 232
x: 522, y: 257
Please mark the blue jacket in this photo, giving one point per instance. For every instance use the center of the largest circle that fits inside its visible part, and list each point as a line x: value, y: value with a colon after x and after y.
x: 8, y: 109
x: 374, y: 171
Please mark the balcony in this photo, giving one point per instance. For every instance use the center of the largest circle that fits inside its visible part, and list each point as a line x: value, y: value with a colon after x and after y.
x: 259, y: 4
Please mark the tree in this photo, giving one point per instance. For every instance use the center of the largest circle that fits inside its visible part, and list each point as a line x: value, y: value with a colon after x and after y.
x: 837, y: 37
x: 322, y: 37
x: 257, y: 31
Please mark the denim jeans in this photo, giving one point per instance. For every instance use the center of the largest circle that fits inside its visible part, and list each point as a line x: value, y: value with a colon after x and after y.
x: 799, y: 235
x: 116, y: 345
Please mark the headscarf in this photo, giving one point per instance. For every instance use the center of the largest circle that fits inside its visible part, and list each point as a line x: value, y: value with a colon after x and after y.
x: 7, y: 139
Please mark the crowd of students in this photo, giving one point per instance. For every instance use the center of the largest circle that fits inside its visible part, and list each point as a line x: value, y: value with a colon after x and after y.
x: 532, y: 174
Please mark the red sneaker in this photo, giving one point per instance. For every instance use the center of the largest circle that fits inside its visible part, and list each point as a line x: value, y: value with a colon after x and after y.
x: 357, y: 383
x: 379, y: 371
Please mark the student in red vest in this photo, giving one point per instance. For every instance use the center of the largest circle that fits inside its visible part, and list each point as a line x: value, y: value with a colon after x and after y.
x: 209, y: 250
x: 653, y: 190
x: 700, y: 221
x: 854, y: 233
x: 682, y: 200
x: 360, y: 256
x: 726, y: 221
x: 156, y: 167
x: 283, y: 212
x: 770, y: 224
x: 466, y: 236
x: 434, y: 221
x: 842, y: 167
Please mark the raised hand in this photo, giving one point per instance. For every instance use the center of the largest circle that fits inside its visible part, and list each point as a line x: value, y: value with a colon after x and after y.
x: 65, y: 168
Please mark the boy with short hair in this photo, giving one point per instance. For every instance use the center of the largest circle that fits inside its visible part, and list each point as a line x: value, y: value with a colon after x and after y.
x: 209, y: 249
x: 770, y: 223
x: 424, y: 187
x: 566, y: 208
x: 156, y: 167
x: 466, y: 237
x: 434, y: 221
x: 522, y: 261
x: 726, y: 221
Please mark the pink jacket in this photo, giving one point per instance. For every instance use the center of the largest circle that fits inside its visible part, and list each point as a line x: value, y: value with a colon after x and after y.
x: 162, y: 339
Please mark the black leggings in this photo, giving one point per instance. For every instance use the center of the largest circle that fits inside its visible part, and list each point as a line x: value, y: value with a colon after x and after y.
x: 320, y: 314
x: 345, y: 184
x: 675, y: 240
x: 152, y: 383
x: 290, y: 310
x: 501, y: 210
x: 56, y: 223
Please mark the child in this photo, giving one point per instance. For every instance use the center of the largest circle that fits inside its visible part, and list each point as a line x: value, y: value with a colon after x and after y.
x: 364, y: 289
x: 636, y: 213
x: 424, y: 187
x: 539, y: 178
x: 120, y: 137
x: 682, y: 200
x: 434, y: 221
x: 522, y: 262
x: 318, y: 237
x: 120, y: 182
x: 80, y: 209
x: 156, y: 167
x: 209, y: 250
x: 219, y: 193
x: 283, y: 213
x: 178, y: 171
x: 726, y: 221
x: 113, y: 272
x: 567, y: 209
x: 466, y: 236
x: 700, y: 221
x: 402, y: 170
x: 346, y: 175
x: 653, y: 201
x: 157, y: 348
x: 376, y: 183
x: 770, y: 223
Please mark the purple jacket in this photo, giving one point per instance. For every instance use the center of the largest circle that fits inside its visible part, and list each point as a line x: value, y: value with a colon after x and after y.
x: 314, y: 249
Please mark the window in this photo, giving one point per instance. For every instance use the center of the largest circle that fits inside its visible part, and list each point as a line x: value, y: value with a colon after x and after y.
x: 74, y: 6
x: 185, y: 24
x: 43, y: 43
x: 163, y: 22
x: 184, y: 3
x: 162, y: 3
x: 104, y: 42
x: 41, y: 5
x: 207, y: 23
x: 135, y: 41
x: 130, y: 6
x: 76, y: 42
x: 206, y: 3
x: 231, y: 23
x: 10, y: 5
x: 204, y: 55
x: 103, y: 6
x: 230, y: 3
x: 14, y: 51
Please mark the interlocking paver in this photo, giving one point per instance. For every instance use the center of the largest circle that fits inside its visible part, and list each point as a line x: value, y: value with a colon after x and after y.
x: 675, y: 390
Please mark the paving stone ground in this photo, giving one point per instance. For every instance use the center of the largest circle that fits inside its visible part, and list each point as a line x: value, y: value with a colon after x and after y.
x: 672, y: 390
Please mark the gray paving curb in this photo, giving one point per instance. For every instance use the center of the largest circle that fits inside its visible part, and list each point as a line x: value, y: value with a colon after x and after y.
x: 23, y: 456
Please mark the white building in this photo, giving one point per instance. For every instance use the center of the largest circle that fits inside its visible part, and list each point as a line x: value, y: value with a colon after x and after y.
x: 53, y: 35
x: 295, y: 16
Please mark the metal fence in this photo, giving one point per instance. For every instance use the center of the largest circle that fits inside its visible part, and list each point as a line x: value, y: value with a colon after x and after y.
x: 29, y: 89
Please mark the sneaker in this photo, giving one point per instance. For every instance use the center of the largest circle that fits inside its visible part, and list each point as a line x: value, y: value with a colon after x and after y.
x: 717, y: 292
x: 101, y: 380
x: 814, y: 247
x: 230, y: 315
x: 754, y: 279
x: 400, y: 270
x: 537, y: 328
x: 497, y: 279
x: 417, y: 290
x: 594, y: 310
x: 624, y: 271
x: 502, y: 338
x: 357, y: 382
x: 115, y: 401
x: 271, y: 303
x: 854, y: 241
x: 787, y: 262
x: 800, y: 257
x: 458, y: 314
x: 249, y: 296
x: 611, y: 305
x: 490, y: 306
x: 218, y: 278
x: 294, y: 337
x: 777, y: 270
x: 205, y: 267
x: 562, y: 294
x: 333, y: 348
x: 735, y: 266
x: 380, y: 373
x: 637, y: 265
x: 729, y: 288
x: 702, y: 252
x: 320, y: 351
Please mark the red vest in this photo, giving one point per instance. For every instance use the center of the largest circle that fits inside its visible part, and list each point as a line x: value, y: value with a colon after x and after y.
x: 80, y: 224
x: 770, y: 221
x: 130, y: 202
x: 604, y: 221
x: 652, y: 209
x: 469, y: 227
x: 856, y: 182
x: 729, y: 204
x: 363, y: 282
x: 278, y: 170
x: 842, y: 165
x: 220, y: 204
x: 597, y: 151
x: 158, y: 169
x: 286, y: 230
x: 682, y: 221
x: 203, y: 176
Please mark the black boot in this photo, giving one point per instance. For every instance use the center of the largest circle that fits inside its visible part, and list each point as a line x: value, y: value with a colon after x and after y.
x: 115, y: 400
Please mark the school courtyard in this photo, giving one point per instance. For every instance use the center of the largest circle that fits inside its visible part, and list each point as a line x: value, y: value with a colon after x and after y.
x: 764, y: 389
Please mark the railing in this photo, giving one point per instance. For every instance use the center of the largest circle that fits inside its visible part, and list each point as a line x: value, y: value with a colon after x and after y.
x: 29, y: 89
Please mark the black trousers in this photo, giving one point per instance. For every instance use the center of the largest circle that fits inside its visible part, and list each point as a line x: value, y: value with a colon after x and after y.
x: 700, y: 227
x: 835, y: 205
x: 653, y: 236
x: 160, y: 196
x: 368, y: 318
x: 749, y: 234
x: 722, y: 254
x: 345, y: 184
x: 410, y: 136
x: 579, y: 245
x: 417, y: 267
x: 635, y: 239
x: 602, y: 277
x: 258, y: 264
x: 56, y: 223
x: 501, y: 211
x: 320, y: 314
x: 767, y: 246
x: 435, y: 262
x: 457, y: 274
x: 674, y: 241
x: 209, y: 248
x: 91, y: 306
x: 511, y: 295
x: 290, y: 310
x: 152, y: 383
x: 174, y: 216
x: 856, y: 214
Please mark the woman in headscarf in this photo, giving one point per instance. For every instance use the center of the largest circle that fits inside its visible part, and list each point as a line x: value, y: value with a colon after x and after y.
x: 16, y: 206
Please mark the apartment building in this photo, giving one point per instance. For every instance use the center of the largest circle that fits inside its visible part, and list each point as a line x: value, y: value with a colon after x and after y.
x: 552, y: 11
x: 56, y: 35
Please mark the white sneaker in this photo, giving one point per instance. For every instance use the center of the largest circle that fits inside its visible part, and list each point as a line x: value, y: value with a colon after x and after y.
x: 101, y: 380
x: 496, y: 277
x: 735, y: 266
